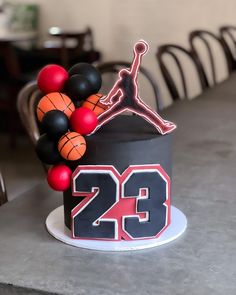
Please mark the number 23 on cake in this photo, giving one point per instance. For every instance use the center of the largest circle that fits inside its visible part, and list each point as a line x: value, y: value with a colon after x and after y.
x: 120, y: 192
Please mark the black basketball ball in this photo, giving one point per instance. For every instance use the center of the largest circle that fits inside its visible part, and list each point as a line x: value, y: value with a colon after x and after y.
x: 55, y: 123
x: 77, y: 87
x: 89, y: 72
x: 47, y: 151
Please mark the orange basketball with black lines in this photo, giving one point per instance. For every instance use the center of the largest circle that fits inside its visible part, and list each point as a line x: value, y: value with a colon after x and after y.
x: 93, y: 103
x: 72, y: 146
x: 55, y: 101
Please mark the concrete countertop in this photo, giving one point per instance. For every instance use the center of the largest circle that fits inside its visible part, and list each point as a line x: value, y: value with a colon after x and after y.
x: 202, y: 261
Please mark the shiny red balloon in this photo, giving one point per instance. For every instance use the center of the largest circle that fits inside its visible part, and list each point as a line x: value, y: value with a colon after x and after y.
x: 59, y: 177
x: 83, y: 121
x: 52, y: 78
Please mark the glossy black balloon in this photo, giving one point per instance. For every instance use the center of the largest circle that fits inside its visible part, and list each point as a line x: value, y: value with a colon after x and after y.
x: 47, y: 151
x: 90, y: 72
x: 55, y: 123
x: 77, y: 87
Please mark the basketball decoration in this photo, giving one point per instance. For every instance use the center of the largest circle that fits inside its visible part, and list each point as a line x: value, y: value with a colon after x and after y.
x: 65, y: 125
x: 52, y: 78
x: 93, y: 103
x: 55, y: 123
x: 59, y: 177
x: 120, y: 190
x: 47, y: 151
x: 72, y: 146
x: 55, y: 101
x: 78, y: 87
x: 90, y: 73
x: 83, y: 121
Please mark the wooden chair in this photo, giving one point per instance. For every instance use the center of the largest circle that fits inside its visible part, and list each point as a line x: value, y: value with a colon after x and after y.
x: 3, y: 192
x: 82, y: 51
x: 26, y: 105
x: 7, y: 107
x: 228, y: 39
x: 9, y: 86
x: 172, y: 50
x: 113, y: 67
x: 205, y: 37
x: 12, y: 78
x: 27, y: 101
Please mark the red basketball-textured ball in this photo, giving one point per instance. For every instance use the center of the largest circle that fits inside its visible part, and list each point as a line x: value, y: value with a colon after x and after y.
x: 52, y: 78
x: 83, y: 121
x: 59, y: 177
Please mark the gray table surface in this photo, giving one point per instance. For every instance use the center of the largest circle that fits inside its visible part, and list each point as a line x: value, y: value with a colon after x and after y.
x: 202, y: 261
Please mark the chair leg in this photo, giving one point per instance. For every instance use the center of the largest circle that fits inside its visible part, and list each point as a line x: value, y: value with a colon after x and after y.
x: 3, y: 194
x: 12, y: 118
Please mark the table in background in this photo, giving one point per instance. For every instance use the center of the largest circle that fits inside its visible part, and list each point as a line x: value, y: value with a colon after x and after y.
x: 7, y: 51
x: 202, y: 261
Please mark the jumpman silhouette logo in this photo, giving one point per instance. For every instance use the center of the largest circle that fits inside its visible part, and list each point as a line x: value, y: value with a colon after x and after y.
x: 124, y: 96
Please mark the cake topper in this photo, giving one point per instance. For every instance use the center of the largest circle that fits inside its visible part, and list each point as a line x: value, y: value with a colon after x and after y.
x: 124, y: 96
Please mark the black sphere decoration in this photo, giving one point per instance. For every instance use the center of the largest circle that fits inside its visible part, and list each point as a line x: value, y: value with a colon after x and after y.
x: 89, y: 72
x: 47, y: 151
x: 55, y: 123
x: 78, y: 104
x: 77, y: 87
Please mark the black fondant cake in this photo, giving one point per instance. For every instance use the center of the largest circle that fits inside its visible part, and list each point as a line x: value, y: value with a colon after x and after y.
x: 126, y: 141
x: 114, y: 170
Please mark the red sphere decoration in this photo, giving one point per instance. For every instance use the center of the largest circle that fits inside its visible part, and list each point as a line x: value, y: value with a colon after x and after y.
x: 59, y: 177
x: 52, y: 78
x: 83, y: 121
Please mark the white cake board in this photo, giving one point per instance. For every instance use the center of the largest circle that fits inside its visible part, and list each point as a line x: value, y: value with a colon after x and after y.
x: 55, y: 226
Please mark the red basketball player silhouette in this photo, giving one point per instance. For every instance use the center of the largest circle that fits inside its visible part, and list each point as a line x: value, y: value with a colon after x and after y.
x: 124, y: 96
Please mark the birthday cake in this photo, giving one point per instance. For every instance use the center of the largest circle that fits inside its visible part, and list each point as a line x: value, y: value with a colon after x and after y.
x: 114, y: 171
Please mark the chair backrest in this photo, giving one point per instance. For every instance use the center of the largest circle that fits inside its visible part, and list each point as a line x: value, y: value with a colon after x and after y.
x: 26, y: 105
x: 83, y: 42
x: 3, y: 193
x: 27, y: 101
x: 174, y: 52
x: 228, y: 38
x: 113, y: 67
x: 212, y: 61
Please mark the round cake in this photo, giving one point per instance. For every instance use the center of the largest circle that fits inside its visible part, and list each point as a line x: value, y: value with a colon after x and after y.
x: 114, y: 169
x: 129, y: 151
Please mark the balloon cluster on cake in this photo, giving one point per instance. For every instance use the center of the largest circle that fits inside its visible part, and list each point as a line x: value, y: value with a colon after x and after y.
x: 67, y: 113
x: 72, y: 108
